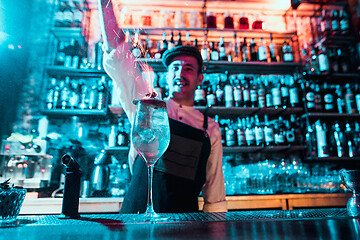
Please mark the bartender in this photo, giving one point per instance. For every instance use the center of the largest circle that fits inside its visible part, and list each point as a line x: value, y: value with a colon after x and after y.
x: 192, y: 163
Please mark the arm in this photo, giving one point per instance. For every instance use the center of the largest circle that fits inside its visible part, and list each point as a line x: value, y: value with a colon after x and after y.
x: 119, y: 63
x: 109, y: 28
x: 214, y: 189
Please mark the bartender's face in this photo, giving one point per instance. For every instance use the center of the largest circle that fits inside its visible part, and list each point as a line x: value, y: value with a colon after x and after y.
x: 183, y: 77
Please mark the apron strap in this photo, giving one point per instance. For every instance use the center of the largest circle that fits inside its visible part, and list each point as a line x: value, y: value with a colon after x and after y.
x: 205, y: 113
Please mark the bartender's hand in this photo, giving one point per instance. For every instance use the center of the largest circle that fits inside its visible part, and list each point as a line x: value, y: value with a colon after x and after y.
x: 111, y: 33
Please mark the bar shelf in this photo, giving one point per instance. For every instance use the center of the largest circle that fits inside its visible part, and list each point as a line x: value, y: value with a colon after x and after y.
x: 73, y: 72
x: 253, y: 149
x: 333, y: 116
x: 75, y: 112
x: 67, y: 32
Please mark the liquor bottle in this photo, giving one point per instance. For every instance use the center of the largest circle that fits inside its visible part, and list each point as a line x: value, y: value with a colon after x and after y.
x: 228, y: 91
x: 220, y: 94
x: 222, y: 130
x: 92, y: 97
x: 284, y: 89
x: 261, y: 94
x: 322, y: 147
x: 268, y: 93
x: 122, y: 138
x: 279, y: 134
x: 210, y: 96
x: 253, y: 94
x: 259, y: 132
x: 309, y: 97
x: 335, y: 23
x: 136, y: 46
x: 344, y: 22
x: 51, y: 94
x: 67, y: 16
x: 249, y: 133
x: 310, y: 141
x: 77, y: 15
x: 272, y: 50
x: 340, y: 101
x: 236, y: 52
x: 245, y: 53
x: 318, y: 98
x: 101, y: 96
x: 157, y: 88
x: 357, y: 97
x: 59, y: 15
x: 328, y: 98
x: 60, y: 53
x: 290, y: 133
x: 172, y: 41
x: 74, y: 95
x: 333, y: 60
x: 112, y: 137
x: 147, y: 48
x: 268, y: 132
x: 163, y: 46
x: 350, y: 104
x: 187, y: 40
x: 205, y: 49
x: 325, y: 22
x: 179, y: 41
x: 294, y: 94
x: 314, y: 62
x: 352, y: 150
x: 262, y: 51
x: 339, y: 140
x: 230, y: 132
x: 276, y: 94
x: 240, y: 132
x: 222, y: 50
x: 323, y: 60
x: 342, y: 61
x: 253, y: 50
x: 199, y: 99
x: 98, y: 61
x: 65, y: 93
x: 238, y: 97
x: 214, y: 53
x: 287, y: 52
x: 246, y: 93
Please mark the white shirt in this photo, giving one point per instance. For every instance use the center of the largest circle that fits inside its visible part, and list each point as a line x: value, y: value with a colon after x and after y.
x: 123, y: 71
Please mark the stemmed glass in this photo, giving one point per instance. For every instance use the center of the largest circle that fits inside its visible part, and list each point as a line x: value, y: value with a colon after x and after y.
x: 150, y: 136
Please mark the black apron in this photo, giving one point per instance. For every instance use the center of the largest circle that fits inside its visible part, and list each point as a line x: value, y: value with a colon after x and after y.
x: 178, y: 175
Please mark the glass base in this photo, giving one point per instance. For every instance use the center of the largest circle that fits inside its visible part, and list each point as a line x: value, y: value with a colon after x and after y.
x: 153, y: 217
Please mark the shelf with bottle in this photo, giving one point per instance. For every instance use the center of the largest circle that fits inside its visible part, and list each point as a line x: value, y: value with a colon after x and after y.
x: 331, y: 116
x: 234, y: 67
x: 264, y: 149
x: 63, y: 33
x: 75, y: 112
x: 337, y: 160
x: 55, y: 70
x: 248, y: 111
x: 117, y: 149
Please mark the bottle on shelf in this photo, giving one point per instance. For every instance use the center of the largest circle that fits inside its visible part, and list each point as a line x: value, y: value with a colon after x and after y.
x: 253, y: 94
x: 222, y: 50
x: 228, y: 91
x: 205, y: 49
x: 246, y: 93
x: 262, y: 51
x: 238, y: 97
x: 137, y: 48
x: 261, y: 94
x: 253, y: 50
x: 339, y: 140
x: 340, y: 101
x: 171, y: 43
x: 272, y: 50
x: 323, y: 60
x: 350, y: 104
x: 122, y: 138
x: 112, y: 136
x: 279, y: 133
x: 199, y: 99
x: 328, y: 98
x: 51, y: 94
x: 276, y: 94
x: 249, y: 133
x: 188, y: 41
x: 290, y: 134
x: 163, y: 46
x: 287, y: 52
x: 240, y: 132
x: 64, y: 93
x: 210, y: 96
x: 258, y: 132
x: 220, y: 93
x: 344, y: 22
x: 268, y: 132
x: 101, y: 87
x: 245, y: 52
x: 294, y: 92
x: 179, y: 41
x: 230, y: 132
x: 310, y: 141
x: 352, y: 147
x: 309, y: 97
x: 222, y: 129
x: 325, y: 22
x: 318, y: 98
x: 322, y: 147
x: 214, y: 53
x: 284, y: 89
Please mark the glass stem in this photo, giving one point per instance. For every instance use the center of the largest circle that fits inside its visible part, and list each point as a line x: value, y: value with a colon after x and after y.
x: 150, y: 208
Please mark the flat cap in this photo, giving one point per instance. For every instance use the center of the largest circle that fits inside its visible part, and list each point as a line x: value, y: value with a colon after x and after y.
x: 169, y: 55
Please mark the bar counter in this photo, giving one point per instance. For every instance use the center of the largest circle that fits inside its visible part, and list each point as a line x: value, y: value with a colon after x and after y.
x: 326, y: 223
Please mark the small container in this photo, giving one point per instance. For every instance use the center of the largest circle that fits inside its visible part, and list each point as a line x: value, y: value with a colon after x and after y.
x: 211, y: 20
x: 146, y: 18
x: 11, y: 200
x: 257, y: 24
x: 126, y: 17
x: 228, y: 21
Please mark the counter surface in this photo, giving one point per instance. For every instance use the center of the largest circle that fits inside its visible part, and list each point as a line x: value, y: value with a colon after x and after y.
x: 331, y: 223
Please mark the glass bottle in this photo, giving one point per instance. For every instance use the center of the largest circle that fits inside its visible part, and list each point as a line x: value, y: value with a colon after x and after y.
x: 222, y: 50
x: 228, y: 91
x: 245, y: 53
x: 272, y: 50
x: 253, y: 51
x: 199, y: 98
x: 262, y: 51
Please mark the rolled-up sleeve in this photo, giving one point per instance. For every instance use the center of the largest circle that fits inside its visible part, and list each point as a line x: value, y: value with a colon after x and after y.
x: 214, y: 189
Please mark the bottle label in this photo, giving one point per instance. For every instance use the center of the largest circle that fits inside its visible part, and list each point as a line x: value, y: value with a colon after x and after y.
x: 237, y: 95
x: 284, y: 91
x: 276, y: 96
x: 259, y: 135
x: 241, y: 137
x: 294, y: 96
x: 211, y: 100
x: 321, y: 143
x: 323, y: 63
x: 288, y: 57
x: 204, y: 54
x: 222, y: 51
x: 262, y: 53
x: 262, y: 101
x: 230, y: 137
x: 199, y: 95
x: 246, y: 94
x: 269, y: 135
x: 249, y: 136
x: 229, y: 93
x: 290, y: 136
x: 269, y: 101
x: 219, y: 94
x: 344, y: 25
x: 253, y: 95
x: 214, y: 56
x: 329, y: 101
x: 121, y: 140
